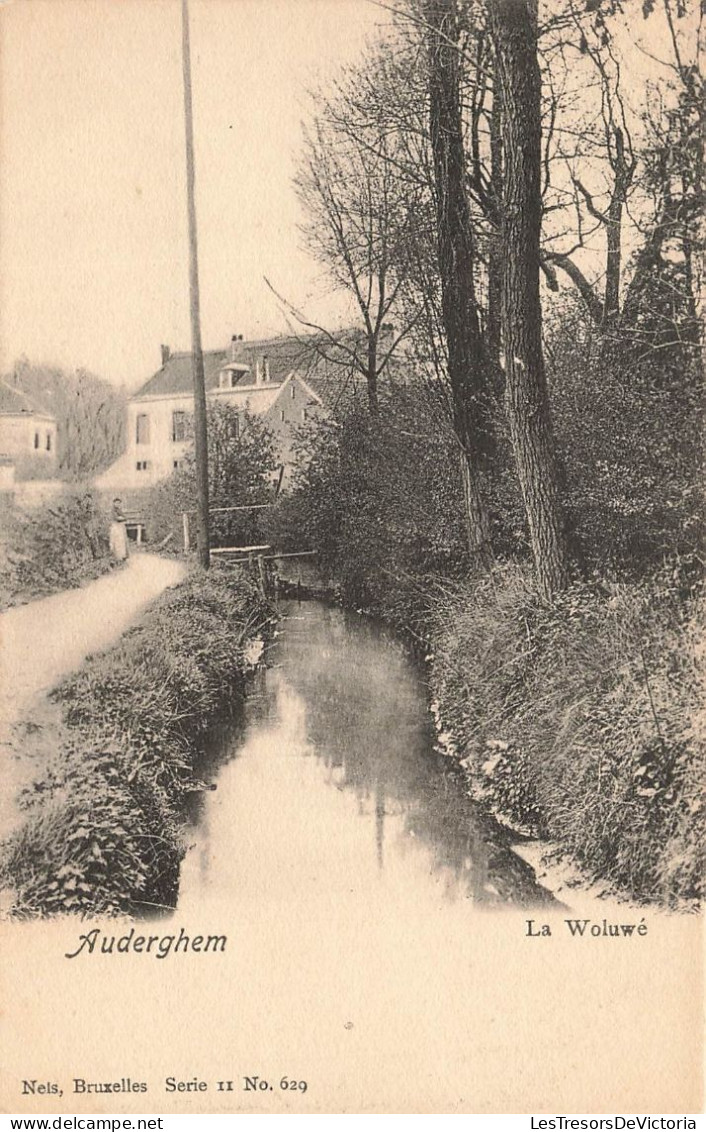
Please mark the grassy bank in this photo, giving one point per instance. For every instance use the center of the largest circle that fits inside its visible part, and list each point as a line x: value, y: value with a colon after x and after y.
x: 102, y: 834
x: 579, y: 722
x: 56, y: 546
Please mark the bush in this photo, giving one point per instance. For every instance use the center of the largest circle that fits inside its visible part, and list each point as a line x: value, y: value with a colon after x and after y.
x: 103, y: 828
x: 242, y: 464
x: 578, y: 720
x: 629, y: 427
x: 53, y: 547
x: 380, y: 499
x: 101, y: 844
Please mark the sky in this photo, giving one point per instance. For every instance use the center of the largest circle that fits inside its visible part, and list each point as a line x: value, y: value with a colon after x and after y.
x: 93, y: 236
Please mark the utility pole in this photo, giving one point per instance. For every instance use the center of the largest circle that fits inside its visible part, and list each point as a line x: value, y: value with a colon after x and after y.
x: 200, y: 428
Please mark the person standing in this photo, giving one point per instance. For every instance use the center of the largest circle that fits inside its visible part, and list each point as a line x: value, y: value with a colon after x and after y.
x: 118, y: 532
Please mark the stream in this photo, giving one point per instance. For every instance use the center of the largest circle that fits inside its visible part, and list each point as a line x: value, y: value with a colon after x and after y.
x: 330, y: 792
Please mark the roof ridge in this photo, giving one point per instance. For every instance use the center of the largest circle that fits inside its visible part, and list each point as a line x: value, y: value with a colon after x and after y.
x: 23, y: 396
x: 188, y: 354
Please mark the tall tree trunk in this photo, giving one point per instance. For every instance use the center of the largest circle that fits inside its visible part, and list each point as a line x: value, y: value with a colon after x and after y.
x: 527, y: 401
x: 623, y: 172
x: 495, y: 275
x: 371, y: 377
x: 477, y: 520
x: 611, y: 300
x: 455, y: 252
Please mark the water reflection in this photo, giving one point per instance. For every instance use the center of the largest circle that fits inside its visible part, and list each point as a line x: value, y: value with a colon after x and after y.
x: 367, y: 716
x: 339, y: 717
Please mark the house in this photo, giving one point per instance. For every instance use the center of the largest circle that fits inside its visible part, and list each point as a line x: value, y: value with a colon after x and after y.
x: 262, y: 378
x: 27, y: 434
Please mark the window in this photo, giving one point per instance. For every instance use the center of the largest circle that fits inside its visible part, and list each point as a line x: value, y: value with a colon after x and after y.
x: 178, y: 425
x: 142, y: 429
x: 294, y: 391
x: 281, y: 414
x: 303, y: 414
x: 177, y: 463
x: 142, y: 465
x: 36, y: 440
x: 48, y: 442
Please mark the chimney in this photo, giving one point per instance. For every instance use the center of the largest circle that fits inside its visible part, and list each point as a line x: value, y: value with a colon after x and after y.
x: 235, y: 339
x: 166, y: 354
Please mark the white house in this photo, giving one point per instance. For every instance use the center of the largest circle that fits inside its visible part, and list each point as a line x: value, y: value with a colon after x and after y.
x: 27, y: 433
x: 260, y: 378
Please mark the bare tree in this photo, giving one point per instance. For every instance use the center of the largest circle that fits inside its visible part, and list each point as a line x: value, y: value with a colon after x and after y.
x: 90, y: 415
x: 357, y: 224
x: 632, y: 172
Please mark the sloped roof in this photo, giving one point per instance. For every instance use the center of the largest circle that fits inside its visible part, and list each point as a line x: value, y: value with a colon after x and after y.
x: 14, y: 401
x: 325, y: 366
x: 174, y: 377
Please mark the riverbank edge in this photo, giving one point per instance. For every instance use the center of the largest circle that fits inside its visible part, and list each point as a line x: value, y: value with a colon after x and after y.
x: 642, y: 703
x: 105, y: 820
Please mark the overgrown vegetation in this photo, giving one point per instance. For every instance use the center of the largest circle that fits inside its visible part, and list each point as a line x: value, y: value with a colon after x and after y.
x: 579, y: 721
x: 102, y: 834
x: 52, y: 547
x: 528, y: 503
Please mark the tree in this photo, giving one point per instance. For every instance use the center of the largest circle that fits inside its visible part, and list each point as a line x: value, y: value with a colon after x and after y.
x: 356, y: 223
x: 242, y: 465
x: 90, y: 415
x: 631, y: 176
x: 468, y: 370
x: 380, y: 500
x: 515, y: 36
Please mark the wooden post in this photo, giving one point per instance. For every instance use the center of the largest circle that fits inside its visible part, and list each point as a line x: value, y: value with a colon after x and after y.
x: 185, y: 529
x: 200, y: 426
x: 261, y: 575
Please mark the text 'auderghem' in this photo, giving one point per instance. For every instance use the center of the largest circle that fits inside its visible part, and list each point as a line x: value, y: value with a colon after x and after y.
x: 98, y: 942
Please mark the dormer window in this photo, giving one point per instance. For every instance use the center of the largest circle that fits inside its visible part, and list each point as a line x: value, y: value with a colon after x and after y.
x: 229, y: 378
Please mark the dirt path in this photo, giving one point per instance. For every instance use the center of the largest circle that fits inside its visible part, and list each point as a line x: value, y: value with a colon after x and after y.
x: 45, y: 640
